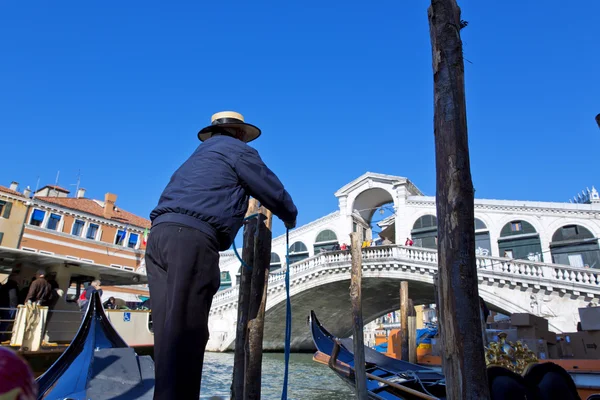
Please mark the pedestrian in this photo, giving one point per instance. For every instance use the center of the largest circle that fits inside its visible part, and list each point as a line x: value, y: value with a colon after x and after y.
x: 199, y: 214
x: 40, y: 291
x: 86, y: 296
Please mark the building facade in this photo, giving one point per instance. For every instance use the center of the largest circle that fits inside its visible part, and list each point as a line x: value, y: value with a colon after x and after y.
x: 13, y: 210
x: 74, y: 238
x: 85, y: 229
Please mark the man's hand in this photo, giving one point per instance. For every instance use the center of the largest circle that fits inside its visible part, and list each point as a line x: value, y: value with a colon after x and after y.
x: 290, y: 225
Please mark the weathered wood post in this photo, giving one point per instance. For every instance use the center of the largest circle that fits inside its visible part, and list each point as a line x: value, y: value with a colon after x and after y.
x: 258, y: 303
x: 412, y: 339
x: 358, y: 335
x: 404, y: 320
x: 462, y: 348
x: 237, y: 386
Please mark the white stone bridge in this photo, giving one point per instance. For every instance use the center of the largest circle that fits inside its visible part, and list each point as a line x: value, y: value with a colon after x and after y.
x: 321, y: 283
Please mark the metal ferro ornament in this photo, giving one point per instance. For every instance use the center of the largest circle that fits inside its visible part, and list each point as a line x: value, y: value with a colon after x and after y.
x: 513, y: 356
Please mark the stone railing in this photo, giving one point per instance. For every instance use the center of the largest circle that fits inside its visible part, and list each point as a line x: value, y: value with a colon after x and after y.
x: 491, y: 268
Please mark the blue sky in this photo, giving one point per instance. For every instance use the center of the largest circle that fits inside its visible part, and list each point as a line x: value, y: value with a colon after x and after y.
x: 119, y: 91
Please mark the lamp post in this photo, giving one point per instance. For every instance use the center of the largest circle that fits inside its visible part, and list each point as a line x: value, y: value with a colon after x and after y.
x: 598, y: 120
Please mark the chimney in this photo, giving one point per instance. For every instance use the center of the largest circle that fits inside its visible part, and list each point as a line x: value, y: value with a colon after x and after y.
x: 27, y: 192
x: 109, y: 205
x: 80, y: 193
x: 14, y: 185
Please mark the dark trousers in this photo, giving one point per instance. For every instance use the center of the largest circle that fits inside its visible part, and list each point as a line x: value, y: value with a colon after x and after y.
x: 183, y: 275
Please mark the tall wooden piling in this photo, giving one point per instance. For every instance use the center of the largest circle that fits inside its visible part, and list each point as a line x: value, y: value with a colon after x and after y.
x: 404, y: 305
x: 358, y: 328
x: 462, y: 348
x: 412, y: 339
x: 239, y: 361
x: 258, y: 303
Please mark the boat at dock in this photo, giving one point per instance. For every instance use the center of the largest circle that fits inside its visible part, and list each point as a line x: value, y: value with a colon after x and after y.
x: 41, y: 340
x: 98, y: 364
x: 392, y: 379
x: 387, y: 378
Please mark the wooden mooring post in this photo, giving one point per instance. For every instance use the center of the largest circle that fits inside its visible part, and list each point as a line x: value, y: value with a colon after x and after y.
x: 258, y: 303
x: 358, y: 328
x: 239, y: 360
x: 412, y: 339
x: 404, y: 320
x: 459, y: 316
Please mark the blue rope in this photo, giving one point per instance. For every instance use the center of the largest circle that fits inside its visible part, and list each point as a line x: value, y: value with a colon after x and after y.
x: 288, y: 316
x: 249, y: 268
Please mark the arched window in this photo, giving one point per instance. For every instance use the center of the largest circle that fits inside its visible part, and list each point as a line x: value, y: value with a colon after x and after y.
x: 519, y: 239
x: 275, y: 262
x: 424, y: 232
x: 576, y: 246
x: 326, y: 241
x: 298, y: 251
x: 225, y: 280
x: 483, y: 246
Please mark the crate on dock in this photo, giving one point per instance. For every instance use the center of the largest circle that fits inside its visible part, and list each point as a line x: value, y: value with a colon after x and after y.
x: 590, y: 318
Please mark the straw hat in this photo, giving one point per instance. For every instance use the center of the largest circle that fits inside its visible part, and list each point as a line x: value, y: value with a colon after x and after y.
x: 229, y: 119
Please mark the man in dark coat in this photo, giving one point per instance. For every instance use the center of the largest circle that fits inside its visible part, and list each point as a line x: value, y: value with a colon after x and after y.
x: 40, y: 291
x: 199, y: 214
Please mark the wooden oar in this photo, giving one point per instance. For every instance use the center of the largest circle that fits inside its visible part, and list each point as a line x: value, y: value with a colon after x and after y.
x: 402, y: 388
x: 333, y: 361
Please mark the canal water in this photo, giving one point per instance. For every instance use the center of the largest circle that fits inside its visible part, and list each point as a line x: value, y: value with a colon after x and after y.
x: 307, y: 380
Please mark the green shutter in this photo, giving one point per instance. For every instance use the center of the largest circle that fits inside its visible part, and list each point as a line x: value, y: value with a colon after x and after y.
x: 7, y: 208
x: 1, y: 236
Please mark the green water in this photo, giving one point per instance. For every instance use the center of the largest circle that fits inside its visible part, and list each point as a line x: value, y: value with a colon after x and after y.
x: 307, y: 380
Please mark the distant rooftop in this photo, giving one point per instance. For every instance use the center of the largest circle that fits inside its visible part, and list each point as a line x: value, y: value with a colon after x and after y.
x: 4, y: 189
x: 94, y: 207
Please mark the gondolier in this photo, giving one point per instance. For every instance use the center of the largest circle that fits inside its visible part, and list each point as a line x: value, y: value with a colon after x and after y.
x: 199, y: 214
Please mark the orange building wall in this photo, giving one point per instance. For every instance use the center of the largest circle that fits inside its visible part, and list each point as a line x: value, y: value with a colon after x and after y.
x: 108, y: 256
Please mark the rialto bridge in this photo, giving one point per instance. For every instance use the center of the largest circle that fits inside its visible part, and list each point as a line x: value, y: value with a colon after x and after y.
x: 536, y: 257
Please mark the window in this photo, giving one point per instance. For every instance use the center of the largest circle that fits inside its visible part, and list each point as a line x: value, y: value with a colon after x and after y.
x: 275, y: 262
x: 77, y: 227
x: 120, y: 238
x: 92, y: 231
x: 354, y: 227
x: 5, y: 208
x: 576, y: 260
x: 569, y: 232
x: 53, y: 222
x: 516, y: 226
x: 479, y: 225
x: 37, y: 217
x: 298, y: 251
x: 133, y: 239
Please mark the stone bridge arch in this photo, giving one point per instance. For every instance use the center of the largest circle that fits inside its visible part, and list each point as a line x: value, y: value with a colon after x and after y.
x: 321, y: 284
x: 359, y: 200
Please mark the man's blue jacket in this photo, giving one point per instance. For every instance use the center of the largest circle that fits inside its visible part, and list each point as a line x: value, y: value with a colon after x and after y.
x: 210, y: 190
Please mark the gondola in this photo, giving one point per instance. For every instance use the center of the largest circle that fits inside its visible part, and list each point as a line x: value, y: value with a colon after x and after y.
x: 387, y: 378
x: 392, y: 379
x: 98, y: 364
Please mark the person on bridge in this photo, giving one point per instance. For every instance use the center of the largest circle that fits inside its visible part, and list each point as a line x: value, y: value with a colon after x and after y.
x: 199, y: 214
